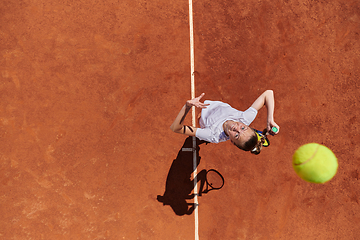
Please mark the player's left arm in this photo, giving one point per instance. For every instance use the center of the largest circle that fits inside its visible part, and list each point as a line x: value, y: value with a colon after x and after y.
x: 267, y: 99
x: 177, y: 126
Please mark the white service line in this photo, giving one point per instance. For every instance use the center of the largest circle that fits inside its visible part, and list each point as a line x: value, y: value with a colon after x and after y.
x: 192, y: 64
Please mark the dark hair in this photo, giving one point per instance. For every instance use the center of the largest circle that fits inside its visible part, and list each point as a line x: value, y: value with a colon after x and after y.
x: 252, y: 144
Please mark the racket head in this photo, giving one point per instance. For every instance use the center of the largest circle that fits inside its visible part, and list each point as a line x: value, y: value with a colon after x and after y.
x: 260, y: 134
x: 214, y: 179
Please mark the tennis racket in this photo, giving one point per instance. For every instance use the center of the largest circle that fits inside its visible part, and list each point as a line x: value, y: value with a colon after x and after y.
x: 264, y: 134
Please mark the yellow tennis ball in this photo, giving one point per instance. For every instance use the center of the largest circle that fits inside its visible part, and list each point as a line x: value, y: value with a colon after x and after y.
x: 315, y: 163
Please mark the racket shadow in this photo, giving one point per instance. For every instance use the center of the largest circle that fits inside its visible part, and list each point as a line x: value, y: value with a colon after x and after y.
x: 179, y: 186
x: 210, y: 180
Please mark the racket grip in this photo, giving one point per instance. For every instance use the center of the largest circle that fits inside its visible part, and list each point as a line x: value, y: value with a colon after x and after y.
x: 274, y: 129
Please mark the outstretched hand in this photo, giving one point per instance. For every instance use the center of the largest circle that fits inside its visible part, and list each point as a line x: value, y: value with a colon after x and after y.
x: 196, y: 102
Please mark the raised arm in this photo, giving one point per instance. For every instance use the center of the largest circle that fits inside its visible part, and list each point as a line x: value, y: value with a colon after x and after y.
x: 177, y: 126
x: 267, y: 99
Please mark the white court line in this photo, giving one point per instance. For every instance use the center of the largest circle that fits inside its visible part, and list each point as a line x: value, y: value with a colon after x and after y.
x: 192, y: 64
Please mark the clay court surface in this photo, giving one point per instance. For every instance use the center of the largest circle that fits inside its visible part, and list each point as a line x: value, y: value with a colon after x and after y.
x: 89, y: 89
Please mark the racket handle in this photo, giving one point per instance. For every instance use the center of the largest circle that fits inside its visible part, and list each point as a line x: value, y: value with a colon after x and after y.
x: 274, y: 129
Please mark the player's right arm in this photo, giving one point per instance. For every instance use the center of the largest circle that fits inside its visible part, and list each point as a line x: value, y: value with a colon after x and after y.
x: 267, y: 99
x: 177, y: 126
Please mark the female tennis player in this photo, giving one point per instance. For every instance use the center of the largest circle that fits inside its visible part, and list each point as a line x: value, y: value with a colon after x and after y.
x: 220, y: 122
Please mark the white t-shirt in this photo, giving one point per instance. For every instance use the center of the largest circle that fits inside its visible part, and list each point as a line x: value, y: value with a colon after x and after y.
x: 213, y: 117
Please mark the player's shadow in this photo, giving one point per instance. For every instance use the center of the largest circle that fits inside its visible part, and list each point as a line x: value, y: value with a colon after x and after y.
x: 179, y: 186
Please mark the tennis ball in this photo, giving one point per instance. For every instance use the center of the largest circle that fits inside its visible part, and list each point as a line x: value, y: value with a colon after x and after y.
x: 315, y: 163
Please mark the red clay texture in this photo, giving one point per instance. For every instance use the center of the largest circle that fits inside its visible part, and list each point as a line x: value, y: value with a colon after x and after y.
x: 89, y: 89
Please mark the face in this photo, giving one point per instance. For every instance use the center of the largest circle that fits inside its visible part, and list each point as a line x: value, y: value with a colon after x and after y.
x: 238, y: 132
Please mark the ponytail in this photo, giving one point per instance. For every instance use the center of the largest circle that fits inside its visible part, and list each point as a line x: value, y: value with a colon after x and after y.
x: 256, y: 150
